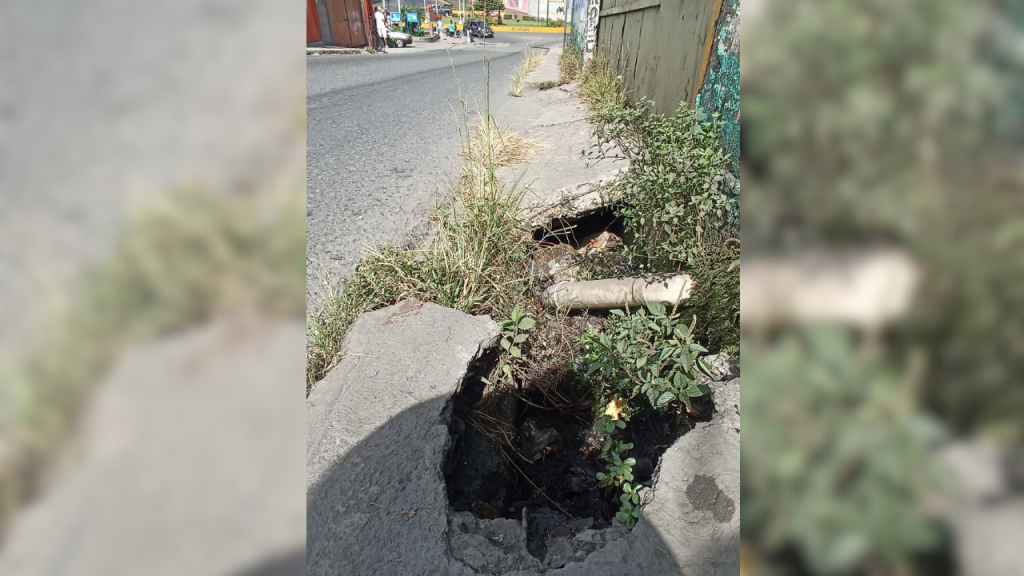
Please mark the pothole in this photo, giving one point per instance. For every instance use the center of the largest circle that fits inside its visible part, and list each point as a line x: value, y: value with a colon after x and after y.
x: 533, y: 457
x: 580, y: 230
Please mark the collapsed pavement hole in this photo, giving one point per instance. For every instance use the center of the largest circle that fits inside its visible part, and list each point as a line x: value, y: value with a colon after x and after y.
x: 515, y: 451
x: 579, y: 230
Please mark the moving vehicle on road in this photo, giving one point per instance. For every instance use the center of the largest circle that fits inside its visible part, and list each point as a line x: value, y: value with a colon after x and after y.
x: 479, y: 28
x: 401, y: 39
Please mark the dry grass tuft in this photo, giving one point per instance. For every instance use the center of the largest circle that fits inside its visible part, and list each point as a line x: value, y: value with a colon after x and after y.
x: 599, y: 85
x: 569, y: 64
x: 492, y: 145
x: 531, y: 60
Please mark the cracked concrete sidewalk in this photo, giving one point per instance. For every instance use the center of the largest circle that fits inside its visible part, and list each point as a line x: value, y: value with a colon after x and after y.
x: 562, y: 181
x: 378, y: 434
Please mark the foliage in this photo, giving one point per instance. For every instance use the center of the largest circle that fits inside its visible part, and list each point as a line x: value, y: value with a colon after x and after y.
x: 853, y: 110
x: 619, y: 470
x: 477, y: 263
x: 675, y: 205
x: 840, y: 465
x: 647, y: 353
x: 417, y: 9
x: 514, y: 333
x: 569, y: 66
x: 715, y: 297
x: 599, y: 86
x: 880, y: 122
x: 548, y: 84
x: 673, y: 187
x: 488, y: 6
x: 630, y: 510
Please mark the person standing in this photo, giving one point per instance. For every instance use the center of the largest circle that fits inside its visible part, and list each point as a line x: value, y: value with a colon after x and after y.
x: 382, y: 27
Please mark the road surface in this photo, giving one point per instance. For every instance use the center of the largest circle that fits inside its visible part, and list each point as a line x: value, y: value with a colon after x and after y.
x: 382, y: 137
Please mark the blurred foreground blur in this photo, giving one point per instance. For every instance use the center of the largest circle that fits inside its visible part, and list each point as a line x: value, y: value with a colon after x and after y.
x: 152, y: 243
x: 883, y: 287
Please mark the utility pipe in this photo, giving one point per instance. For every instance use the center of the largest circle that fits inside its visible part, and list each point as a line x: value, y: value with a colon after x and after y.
x: 619, y: 292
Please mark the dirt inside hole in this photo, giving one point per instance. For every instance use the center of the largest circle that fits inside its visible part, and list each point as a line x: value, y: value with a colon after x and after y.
x: 577, y: 232
x: 519, y: 455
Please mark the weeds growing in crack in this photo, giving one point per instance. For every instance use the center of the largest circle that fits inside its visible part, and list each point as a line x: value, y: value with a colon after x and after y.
x: 531, y: 60
x: 570, y: 64
x: 476, y: 263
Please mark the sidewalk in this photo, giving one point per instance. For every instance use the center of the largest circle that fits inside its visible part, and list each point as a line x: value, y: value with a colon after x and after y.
x: 562, y: 182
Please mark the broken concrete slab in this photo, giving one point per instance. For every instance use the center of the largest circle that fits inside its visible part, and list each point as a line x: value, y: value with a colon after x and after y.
x: 185, y: 463
x: 695, y: 507
x: 377, y: 435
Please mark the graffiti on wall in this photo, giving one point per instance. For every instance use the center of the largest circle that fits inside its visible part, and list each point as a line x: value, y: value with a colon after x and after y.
x: 577, y: 24
x: 720, y: 92
x: 593, y: 14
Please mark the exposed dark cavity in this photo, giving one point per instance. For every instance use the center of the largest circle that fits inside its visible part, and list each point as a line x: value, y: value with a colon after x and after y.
x: 513, y: 452
x: 578, y: 231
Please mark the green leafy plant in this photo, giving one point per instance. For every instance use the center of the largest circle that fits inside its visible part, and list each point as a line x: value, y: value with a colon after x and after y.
x: 619, y: 470
x: 843, y: 468
x: 630, y: 510
x: 648, y: 353
x: 514, y: 333
x: 673, y: 191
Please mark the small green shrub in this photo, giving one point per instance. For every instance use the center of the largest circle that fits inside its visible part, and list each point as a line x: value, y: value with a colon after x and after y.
x: 673, y: 187
x: 841, y: 468
x: 648, y: 353
x: 676, y: 208
x: 514, y: 333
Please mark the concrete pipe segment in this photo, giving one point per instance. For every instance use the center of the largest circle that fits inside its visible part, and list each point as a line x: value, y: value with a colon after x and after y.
x: 619, y: 292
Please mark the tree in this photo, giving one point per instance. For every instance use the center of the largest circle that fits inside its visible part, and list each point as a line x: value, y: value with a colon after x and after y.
x: 487, y: 6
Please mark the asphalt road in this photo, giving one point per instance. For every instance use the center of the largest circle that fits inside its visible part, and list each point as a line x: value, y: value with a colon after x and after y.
x: 382, y: 138
x: 119, y: 103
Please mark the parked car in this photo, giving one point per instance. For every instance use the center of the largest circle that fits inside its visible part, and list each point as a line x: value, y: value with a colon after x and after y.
x: 401, y: 39
x: 479, y: 28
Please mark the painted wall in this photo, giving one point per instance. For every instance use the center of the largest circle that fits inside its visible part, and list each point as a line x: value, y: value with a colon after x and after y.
x: 532, y: 6
x: 720, y: 90
x: 578, y: 23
